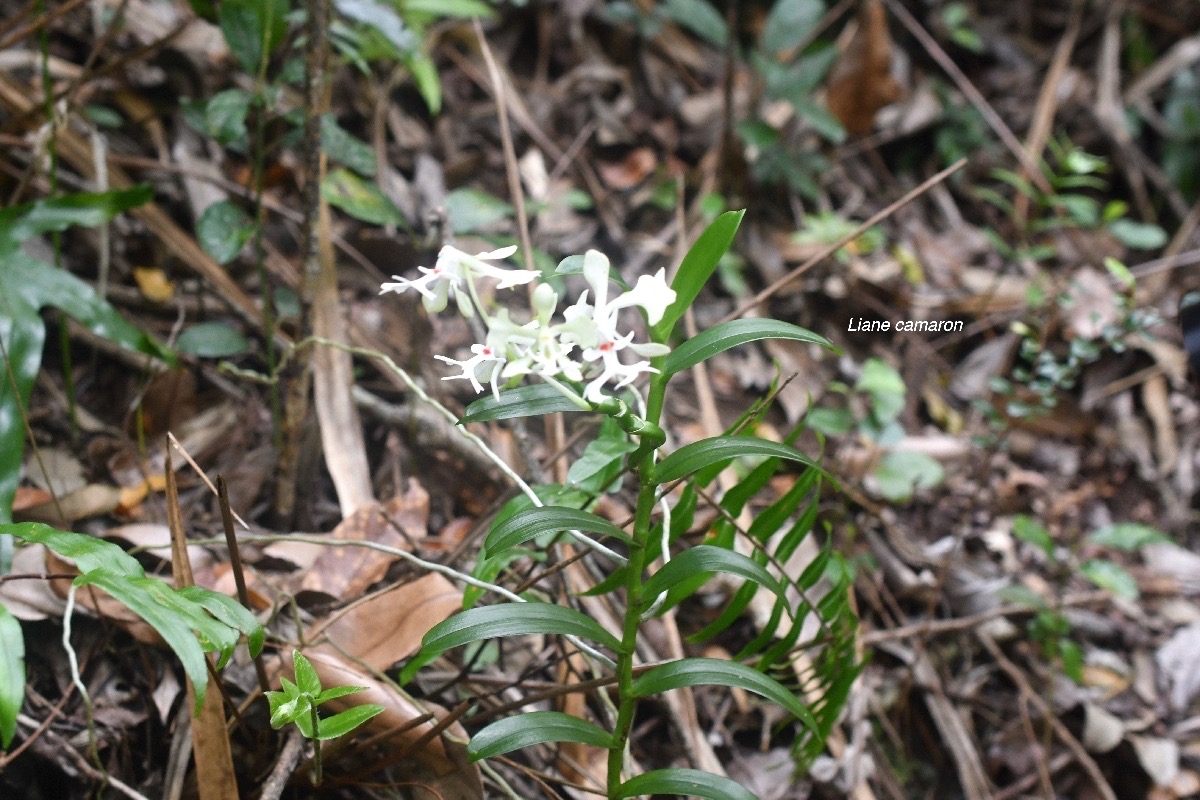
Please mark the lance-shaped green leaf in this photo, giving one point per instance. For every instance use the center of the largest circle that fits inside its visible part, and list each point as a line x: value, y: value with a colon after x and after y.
x: 342, y: 723
x: 706, y: 452
x: 722, y: 337
x: 524, y: 401
x: 230, y: 612
x: 706, y: 558
x: 719, y: 672
x: 533, y: 522
x: 683, y: 782
x: 184, y: 624
x: 28, y: 285
x: 12, y: 675
x: 514, y: 619
x: 538, y: 727
x: 253, y: 28
x: 696, y: 268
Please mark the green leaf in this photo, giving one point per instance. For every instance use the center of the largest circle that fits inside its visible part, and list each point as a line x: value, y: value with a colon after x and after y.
x: 902, y: 472
x: 699, y: 17
x: 382, y: 18
x: 360, y: 199
x: 342, y: 723
x: 1138, y: 235
x: 19, y: 223
x: 335, y: 692
x: 533, y: 522
x: 697, y: 455
x: 514, y: 619
x: 537, y: 727
x: 524, y: 401
x: 253, y: 28
x: 719, y: 672
x: 12, y: 675
x: 788, y: 24
x: 1108, y: 575
x: 600, y: 465
x: 683, y: 782
x: 1127, y: 536
x: 307, y: 680
x: 707, y: 558
x: 881, y: 380
x: 1028, y: 529
x: 230, y: 612
x: 225, y: 115
x: 343, y: 146
x: 696, y: 268
x: 222, y: 230
x: 461, y: 9
x: 428, y: 81
x: 722, y: 337
x: 187, y: 627
x: 212, y: 340
x: 830, y: 421
x: 475, y: 211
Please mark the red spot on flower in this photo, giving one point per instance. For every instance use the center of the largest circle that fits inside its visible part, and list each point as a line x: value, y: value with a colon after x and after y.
x: 605, y: 347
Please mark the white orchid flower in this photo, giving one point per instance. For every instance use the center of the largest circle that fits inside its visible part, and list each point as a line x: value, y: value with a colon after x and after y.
x: 472, y: 367
x: 449, y: 272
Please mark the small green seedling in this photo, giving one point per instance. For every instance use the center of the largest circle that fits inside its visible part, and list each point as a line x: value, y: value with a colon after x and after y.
x: 298, y: 702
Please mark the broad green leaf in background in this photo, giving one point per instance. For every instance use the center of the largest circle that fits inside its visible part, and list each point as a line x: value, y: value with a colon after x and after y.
x: 883, y: 383
x: 230, y: 612
x: 341, y: 145
x: 460, y: 9
x: 1110, y: 576
x: 524, y: 401
x: 28, y: 285
x: 475, y: 211
x: 788, y: 24
x: 1028, y: 529
x: 902, y: 472
x: 429, y: 83
x: 699, y: 17
x: 1138, y: 235
x: 360, y: 199
x: 720, y: 672
x: 513, y: 619
x: 684, y: 782
x: 382, y: 18
x: 722, y: 337
x: 225, y: 116
x: 253, y: 28
x: 537, y: 727
x: 533, y: 522
x: 706, y: 558
x: 12, y: 675
x: 1127, y: 536
x: 211, y: 340
x: 222, y: 230
x: 697, y: 455
x: 696, y: 268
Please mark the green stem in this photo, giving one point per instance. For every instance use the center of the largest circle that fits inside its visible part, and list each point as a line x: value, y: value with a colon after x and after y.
x: 647, y: 496
x: 317, y: 776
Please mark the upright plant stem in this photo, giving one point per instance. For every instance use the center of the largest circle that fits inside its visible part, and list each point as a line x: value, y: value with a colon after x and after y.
x: 647, y: 495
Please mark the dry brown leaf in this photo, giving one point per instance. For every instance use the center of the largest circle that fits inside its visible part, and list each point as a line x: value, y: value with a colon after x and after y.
x: 344, y: 573
x: 33, y: 599
x: 862, y: 81
x: 387, y: 626
x: 1092, y: 304
x: 631, y: 170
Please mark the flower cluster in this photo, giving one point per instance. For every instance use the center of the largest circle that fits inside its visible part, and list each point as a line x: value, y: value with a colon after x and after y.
x: 584, y: 346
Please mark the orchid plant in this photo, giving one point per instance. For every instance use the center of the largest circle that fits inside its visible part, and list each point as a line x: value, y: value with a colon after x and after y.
x: 590, y: 358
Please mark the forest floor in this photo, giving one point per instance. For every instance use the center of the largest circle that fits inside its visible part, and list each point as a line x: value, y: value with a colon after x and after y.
x: 990, y: 210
